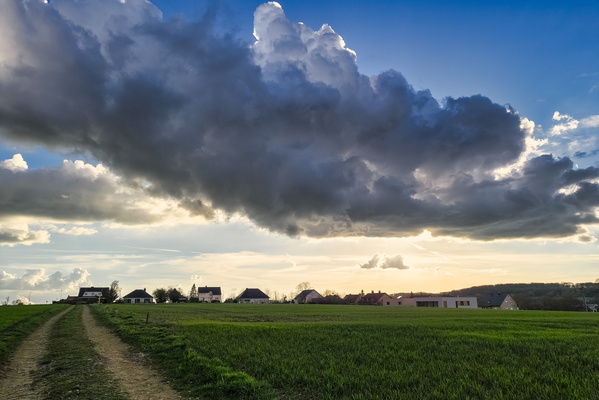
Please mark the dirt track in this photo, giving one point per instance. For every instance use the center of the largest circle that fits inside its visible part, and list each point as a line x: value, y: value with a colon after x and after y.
x: 16, y: 381
x: 134, y: 376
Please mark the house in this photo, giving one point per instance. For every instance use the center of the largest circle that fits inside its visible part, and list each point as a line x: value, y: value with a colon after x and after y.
x: 378, y: 299
x: 498, y: 301
x: 307, y: 296
x: 138, y: 296
x: 255, y: 296
x: 209, y: 294
x: 330, y: 299
x: 439, y: 302
x: 352, y: 298
x: 93, y: 295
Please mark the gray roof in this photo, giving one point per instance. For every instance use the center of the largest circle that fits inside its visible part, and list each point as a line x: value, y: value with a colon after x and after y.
x: 138, y: 294
x: 304, y: 293
x: 492, y: 300
x: 253, y: 294
x: 207, y: 289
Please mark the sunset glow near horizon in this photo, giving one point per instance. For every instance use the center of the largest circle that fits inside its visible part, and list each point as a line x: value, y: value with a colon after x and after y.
x: 386, y: 146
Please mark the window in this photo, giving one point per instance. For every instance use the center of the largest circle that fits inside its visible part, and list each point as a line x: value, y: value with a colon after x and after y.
x: 427, y: 304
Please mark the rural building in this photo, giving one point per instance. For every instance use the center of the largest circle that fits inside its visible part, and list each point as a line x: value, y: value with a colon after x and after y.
x: 92, y: 295
x: 331, y: 299
x: 378, y: 299
x: 255, y: 296
x: 307, y: 296
x: 498, y: 301
x: 352, y: 298
x: 209, y: 294
x: 439, y: 302
x: 138, y: 296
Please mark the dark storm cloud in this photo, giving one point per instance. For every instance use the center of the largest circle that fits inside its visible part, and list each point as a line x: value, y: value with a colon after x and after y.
x: 285, y: 131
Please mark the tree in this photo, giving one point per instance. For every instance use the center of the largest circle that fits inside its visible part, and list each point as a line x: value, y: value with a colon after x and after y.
x: 114, y: 292
x: 160, y: 295
x: 174, y: 295
x: 301, y: 287
x: 193, y: 294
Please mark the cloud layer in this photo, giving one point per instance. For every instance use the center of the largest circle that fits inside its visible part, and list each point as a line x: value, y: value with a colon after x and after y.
x: 285, y: 131
x: 38, y: 279
x: 384, y: 262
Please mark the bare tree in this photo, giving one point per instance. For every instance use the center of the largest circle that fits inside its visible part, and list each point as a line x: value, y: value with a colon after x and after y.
x: 302, y: 286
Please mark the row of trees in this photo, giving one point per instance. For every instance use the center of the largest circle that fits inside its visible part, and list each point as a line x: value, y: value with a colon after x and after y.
x: 565, y: 296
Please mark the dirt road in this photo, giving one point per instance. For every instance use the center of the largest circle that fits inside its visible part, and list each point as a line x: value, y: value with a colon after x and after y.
x: 132, y: 373
x: 16, y: 381
x: 134, y: 376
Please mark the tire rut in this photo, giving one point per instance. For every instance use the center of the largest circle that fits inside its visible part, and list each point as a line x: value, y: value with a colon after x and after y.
x: 137, y: 380
x: 16, y: 381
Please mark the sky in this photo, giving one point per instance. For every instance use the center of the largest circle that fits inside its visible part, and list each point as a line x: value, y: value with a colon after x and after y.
x: 395, y: 146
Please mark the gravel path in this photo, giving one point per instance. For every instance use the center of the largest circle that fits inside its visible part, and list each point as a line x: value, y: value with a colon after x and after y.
x: 16, y: 380
x: 134, y: 376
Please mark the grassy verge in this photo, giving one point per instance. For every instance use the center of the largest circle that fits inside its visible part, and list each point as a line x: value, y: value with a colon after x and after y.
x: 17, y: 322
x: 343, y: 352
x: 189, y: 370
x: 71, y: 368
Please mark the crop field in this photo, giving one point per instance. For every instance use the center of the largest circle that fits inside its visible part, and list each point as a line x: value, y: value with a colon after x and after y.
x: 17, y: 322
x: 361, y: 352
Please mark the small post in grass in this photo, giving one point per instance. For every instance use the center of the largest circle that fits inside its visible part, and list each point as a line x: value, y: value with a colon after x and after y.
x: 147, y: 317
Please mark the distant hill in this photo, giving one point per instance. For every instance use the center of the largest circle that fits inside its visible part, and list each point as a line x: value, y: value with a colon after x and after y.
x: 533, y: 296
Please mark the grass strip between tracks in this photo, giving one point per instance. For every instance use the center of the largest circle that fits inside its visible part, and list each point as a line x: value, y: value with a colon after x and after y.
x: 71, y: 369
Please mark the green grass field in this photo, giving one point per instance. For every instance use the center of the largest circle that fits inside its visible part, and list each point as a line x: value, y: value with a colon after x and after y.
x: 17, y: 322
x: 360, y: 352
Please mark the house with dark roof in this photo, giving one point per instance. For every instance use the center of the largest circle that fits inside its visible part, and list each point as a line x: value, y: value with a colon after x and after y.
x: 138, y: 296
x: 352, y: 298
x: 498, y: 301
x: 88, y: 295
x: 331, y: 299
x: 252, y: 295
x: 307, y: 296
x: 210, y: 294
x: 378, y: 299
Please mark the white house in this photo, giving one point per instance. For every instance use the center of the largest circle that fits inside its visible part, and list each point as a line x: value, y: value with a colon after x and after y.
x: 439, y: 302
x: 255, y: 296
x: 138, y: 296
x: 93, y: 295
x: 307, y: 296
x: 209, y: 294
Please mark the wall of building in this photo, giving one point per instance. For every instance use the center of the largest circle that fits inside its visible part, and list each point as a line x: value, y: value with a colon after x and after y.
x: 440, y: 302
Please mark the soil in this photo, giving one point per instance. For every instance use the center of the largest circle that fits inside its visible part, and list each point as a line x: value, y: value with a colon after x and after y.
x: 16, y: 381
x: 135, y: 377
x: 132, y: 372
